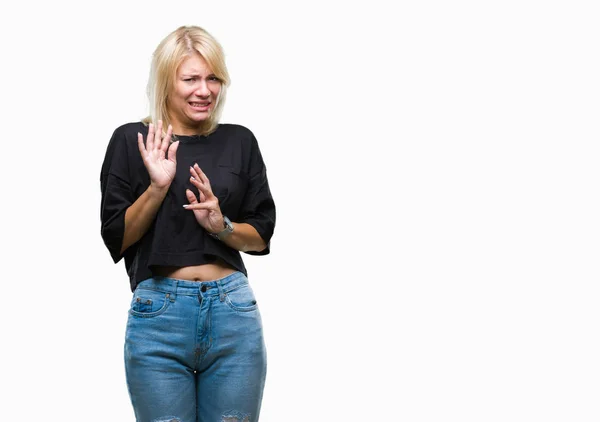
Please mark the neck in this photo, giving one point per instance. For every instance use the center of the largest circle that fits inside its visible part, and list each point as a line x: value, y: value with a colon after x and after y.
x: 187, y: 130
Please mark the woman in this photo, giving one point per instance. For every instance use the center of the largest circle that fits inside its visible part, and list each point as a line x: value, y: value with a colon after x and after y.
x: 180, y: 200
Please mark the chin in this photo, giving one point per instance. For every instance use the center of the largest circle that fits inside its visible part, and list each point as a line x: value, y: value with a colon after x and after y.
x: 200, y: 117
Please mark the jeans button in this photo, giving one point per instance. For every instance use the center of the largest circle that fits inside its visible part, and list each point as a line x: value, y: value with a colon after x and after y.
x: 203, y: 288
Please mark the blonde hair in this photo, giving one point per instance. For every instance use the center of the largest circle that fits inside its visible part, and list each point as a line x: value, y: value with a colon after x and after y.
x: 166, y: 59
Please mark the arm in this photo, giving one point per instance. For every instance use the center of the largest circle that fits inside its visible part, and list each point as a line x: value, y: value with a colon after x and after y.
x: 256, y: 220
x: 161, y: 167
x: 140, y: 214
x: 244, y: 238
x: 208, y: 214
x: 125, y: 218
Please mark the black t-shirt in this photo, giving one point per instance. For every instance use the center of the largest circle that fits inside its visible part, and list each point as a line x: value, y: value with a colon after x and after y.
x: 230, y: 158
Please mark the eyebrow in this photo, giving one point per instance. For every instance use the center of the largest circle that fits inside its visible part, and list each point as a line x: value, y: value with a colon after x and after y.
x: 196, y: 75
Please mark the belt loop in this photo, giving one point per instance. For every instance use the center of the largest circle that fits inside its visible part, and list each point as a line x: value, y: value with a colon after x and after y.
x: 221, y: 291
x: 174, y: 290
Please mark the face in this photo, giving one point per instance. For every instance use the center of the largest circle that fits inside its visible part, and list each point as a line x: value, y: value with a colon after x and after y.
x: 193, y: 97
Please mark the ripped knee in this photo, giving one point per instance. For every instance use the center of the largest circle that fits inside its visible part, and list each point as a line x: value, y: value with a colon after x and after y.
x: 234, y: 416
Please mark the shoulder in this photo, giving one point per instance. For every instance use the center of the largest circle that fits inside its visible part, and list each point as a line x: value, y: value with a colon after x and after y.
x: 130, y: 129
x: 237, y: 131
x: 125, y: 136
x: 238, y: 137
x: 122, y: 144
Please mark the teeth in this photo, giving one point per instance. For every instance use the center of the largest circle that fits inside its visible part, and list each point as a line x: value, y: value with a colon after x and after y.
x: 199, y: 105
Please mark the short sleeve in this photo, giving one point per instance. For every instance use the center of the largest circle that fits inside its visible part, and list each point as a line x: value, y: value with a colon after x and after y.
x: 116, y: 193
x: 258, y: 207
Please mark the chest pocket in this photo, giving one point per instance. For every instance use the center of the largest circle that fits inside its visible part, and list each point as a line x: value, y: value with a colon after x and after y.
x: 229, y: 185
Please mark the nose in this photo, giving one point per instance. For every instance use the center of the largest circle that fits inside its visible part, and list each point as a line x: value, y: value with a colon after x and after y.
x: 203, y: 90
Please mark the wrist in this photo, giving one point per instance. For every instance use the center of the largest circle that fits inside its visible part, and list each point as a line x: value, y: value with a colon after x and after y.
x: 157, y: 192
x: 225, y: 231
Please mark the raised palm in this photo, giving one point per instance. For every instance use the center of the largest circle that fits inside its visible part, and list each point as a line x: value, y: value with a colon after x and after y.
x: 159, y: 155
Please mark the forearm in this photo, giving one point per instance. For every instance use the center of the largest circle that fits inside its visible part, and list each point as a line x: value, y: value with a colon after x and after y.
x: 140, y: 214
x: 244, y: 238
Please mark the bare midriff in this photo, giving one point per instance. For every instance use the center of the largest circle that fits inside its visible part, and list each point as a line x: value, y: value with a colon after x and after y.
x: 204, y: 272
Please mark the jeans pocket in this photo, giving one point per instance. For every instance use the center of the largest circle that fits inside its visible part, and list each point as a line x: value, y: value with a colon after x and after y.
x: 148, y: 303
x: 241, y: 299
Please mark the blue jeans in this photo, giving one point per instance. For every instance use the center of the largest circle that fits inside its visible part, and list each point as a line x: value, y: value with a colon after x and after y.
x: 194, y: 351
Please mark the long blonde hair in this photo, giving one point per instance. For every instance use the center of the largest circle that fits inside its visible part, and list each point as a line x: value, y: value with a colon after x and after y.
x: 167, y: 58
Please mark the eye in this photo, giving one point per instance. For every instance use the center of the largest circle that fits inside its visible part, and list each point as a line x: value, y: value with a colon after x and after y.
x: 190, y: 80
x: 214, y: 79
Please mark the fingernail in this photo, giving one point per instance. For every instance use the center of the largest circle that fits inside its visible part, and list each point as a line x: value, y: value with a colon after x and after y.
x: 185, y: 206
x: 193, y: 178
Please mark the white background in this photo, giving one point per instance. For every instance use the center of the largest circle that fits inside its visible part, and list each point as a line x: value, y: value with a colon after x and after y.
x: 435, y: 170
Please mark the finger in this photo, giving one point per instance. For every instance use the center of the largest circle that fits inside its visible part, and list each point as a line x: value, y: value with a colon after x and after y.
x: 173, y: 151
x: 191, y: 197
x: 150, y: 138
x: 141, y: 146
x: 197, y: 206
x: 166, y: 140
x: 197, y: 183
x: 201, y: 174
x: 158, y: 135
x: 204, y: 184
x: 203, y: 188
x: 194, y: 173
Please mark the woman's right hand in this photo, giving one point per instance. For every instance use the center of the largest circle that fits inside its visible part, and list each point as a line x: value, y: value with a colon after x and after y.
x: 159, y: 155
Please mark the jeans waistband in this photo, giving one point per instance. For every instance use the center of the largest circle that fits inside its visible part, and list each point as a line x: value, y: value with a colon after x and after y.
x: 190, y: 288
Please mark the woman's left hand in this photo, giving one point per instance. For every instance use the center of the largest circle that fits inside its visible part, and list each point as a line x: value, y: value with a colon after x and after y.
x: 207, y: 210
